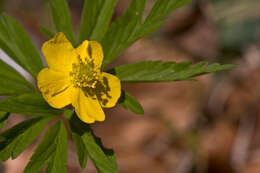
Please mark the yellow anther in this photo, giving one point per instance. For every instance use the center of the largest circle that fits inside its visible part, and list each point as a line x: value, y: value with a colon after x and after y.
x: 85, y: 74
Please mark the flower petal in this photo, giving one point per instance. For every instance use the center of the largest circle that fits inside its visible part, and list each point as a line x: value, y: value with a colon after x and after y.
x: 83, y: 50
x: 88, y: 109
x: 59, y: 53
x: 91, y: 49
x: 110, y: 91
x: 55, y: 87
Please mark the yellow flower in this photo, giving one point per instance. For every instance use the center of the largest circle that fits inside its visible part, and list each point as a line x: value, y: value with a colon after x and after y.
x: 74, y: 77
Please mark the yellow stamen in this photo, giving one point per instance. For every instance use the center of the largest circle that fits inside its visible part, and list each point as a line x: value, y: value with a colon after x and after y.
x: 84, y: 74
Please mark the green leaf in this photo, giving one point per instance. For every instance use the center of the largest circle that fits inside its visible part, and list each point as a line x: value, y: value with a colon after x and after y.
x: 103, y: 159
x: 161, y: 9
x: 79, y: 144
x: 3, y: 118
x: 156, y: 17
x: 129, y: 28
x: 68, y: 113
x: 129, y: 102
x: 158, y: 71
x: 52, y: 151
x: 18, y: 45
x: 61, y: 18
x: 59, y: 159
x: 46, y: 31
x: 12, y: 82
x: 8, y: 72
x: 9, y: 87
x: 28, y: 104
x: 95, y: 19
x: 81, y: 150
x: 16, y: 139
x: 122, y: 31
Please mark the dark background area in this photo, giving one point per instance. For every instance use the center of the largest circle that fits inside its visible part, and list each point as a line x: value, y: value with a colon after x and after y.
x: 208, y: 126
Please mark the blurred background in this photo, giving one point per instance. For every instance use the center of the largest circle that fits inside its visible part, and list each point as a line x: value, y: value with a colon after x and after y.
x: 208, y: 126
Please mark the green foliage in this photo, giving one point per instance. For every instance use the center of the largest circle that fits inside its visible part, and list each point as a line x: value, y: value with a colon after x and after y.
x: 9, y: 87
x: 46, y: 31
x: 16, y: 139
x: 160, y: 10
x: 7, y: 72
x: 81, y: 150
x: 95, y: 19
x: 52, y: 151
x: 158, y: 71
x: 61, y: 18
x: 103, y: 159
x: 129, y: 102
x: 28, y: 104
x: 129, y: 28
x: 79, y: 144
x: 11, y: 81
x: 3, y: 118
x: 18, y: 45
x: 123, y: 31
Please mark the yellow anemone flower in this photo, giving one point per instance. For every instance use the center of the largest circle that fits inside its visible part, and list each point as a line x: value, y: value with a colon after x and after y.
x: 74, y: 77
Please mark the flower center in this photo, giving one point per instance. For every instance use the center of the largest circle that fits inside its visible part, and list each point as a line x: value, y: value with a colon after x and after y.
x: 85, y: 74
